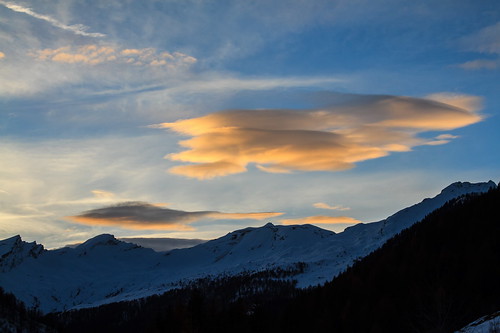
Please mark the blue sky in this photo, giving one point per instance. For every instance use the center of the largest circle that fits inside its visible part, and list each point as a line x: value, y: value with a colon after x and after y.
x: 194, y: 118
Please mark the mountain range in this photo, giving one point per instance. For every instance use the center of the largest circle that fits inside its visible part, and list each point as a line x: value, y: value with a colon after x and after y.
x: 104, y: 269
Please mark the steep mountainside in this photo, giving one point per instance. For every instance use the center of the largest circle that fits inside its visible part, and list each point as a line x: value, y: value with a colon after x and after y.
x: 436, y: 276
x: 104, y: 269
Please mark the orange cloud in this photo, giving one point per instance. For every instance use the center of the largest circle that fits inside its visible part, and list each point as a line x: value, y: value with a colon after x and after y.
x: 330, y: 139
x: 96, y: 54
x: 145, y: 216
x: 2, y: 55
x: 321, y: 219
x: 323, y: 205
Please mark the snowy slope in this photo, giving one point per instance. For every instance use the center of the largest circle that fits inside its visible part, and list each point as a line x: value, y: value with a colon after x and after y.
x: 359, y: 240
x: 104, y: 269
x: 486, y: 324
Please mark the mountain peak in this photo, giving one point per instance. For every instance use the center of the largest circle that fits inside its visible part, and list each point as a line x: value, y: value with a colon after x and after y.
x: 467, y: 186
x: 14, y: 250
x: 11, y: 240
x: 100, y: 240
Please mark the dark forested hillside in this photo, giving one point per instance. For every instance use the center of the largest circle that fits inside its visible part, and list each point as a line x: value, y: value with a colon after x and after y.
x: 437, y: 276
x: 14, y: 317
x: 219, y: 304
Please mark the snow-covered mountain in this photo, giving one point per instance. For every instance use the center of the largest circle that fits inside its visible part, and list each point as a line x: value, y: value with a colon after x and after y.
x: 157, y: 244
x: 104, y: 269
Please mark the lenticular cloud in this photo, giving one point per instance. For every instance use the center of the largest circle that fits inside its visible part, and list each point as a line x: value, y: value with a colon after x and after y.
x: 332, y: 138
x: 146, y: 216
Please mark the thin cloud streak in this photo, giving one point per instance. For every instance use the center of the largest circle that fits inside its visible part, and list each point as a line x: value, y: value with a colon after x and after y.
x: 78, y: 29
x: 322, y: 205
x: 101, y: 194
x: 145, y: 216
x: 485, y: 41
x: 480, y: 64
x: 93, y: 54
x: 333, y: 138
x: 321, y: 219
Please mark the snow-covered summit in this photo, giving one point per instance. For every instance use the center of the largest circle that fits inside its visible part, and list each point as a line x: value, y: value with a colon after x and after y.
x: 100, y: 240
x: 252, y: 248
x: 408, y: 216
x: 460, y: 188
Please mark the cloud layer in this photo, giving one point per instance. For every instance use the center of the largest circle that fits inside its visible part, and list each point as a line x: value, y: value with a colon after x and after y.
x: 328, y: 139
x: 145, y: 216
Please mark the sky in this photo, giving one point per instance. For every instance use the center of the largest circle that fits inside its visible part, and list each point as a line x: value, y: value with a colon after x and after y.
x: 194, y: 118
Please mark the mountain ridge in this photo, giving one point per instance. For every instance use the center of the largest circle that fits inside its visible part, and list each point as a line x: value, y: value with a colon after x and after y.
x: 66, y: 278
x: 439, y: 275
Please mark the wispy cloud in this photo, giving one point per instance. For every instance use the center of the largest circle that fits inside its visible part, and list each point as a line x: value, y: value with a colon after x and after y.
x: 321, y: 219
x: 102, y: 194
x: 105, y: 69
x: 480, y: 64
x: 145, y: 216
x: 78, y: 29
x: 323, y: 205
x: 442, y: 139
x: 96, y: 54
x: 485, y: 41
x: 333, y: 138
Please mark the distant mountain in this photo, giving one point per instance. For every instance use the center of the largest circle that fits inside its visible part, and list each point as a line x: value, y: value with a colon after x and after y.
x: 157, y: 244
x: 105, y: 270
x: 163, y: 244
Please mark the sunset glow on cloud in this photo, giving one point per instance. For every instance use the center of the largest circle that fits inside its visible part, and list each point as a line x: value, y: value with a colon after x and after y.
x: 95, y: 54
x: 145, y: 216
x: 321, y: 219
x: 330, y: 139
x: 302, y: 107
